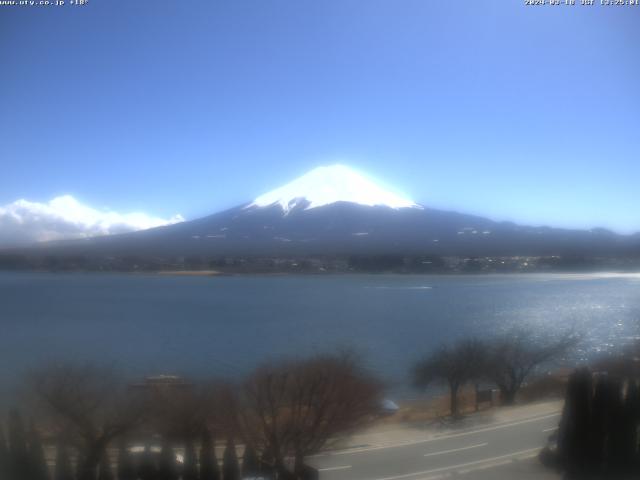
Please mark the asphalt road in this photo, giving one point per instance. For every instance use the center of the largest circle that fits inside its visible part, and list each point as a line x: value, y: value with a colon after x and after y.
x: 504, y: 450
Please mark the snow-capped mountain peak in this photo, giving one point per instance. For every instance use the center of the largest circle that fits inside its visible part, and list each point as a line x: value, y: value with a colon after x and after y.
x: 330, y: 184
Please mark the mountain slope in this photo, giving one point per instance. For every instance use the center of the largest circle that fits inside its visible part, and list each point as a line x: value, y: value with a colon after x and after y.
x: 336, y: 211
x: 345, y: 229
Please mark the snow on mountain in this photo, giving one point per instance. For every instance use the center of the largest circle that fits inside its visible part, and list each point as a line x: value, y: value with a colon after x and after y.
x: 331, y: 184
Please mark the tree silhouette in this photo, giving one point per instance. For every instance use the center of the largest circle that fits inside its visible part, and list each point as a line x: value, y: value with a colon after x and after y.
x: 167, y: 466
x: 19, y: 462
x: 453, y: 366
x: 593, y: 429
x: 615, y: 451
x: 91, y: 404
x: 190, y: 467
x: 4, y: 455
x: 250, y: 462
x: 230, y: 465
x: 573, y: 434
x: 513, y: 357
x: 267, y: 464
x: 209, y: 469
x: 630, y: 422
x: 126, y: 467
x: 147, y: 469
x: 598, y: 434
x: 63, y: 470
x: 105, y: 471
x: 296, y: 408
x: 37, y: 460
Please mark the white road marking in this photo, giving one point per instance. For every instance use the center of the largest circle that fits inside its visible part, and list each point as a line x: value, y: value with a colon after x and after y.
x: 436, y: 438
x: 460, y: 465
x: 329, y: 469
x: 493, y: 464
x: 549, y: 429
x: 485, y: 466
x: 456, y: 449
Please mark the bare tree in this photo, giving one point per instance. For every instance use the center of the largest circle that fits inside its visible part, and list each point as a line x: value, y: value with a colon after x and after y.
x: 297, y: 408
x: 513, y: 357
x: 91, y: 405
x: 181, y: 413
x: 452, y: 365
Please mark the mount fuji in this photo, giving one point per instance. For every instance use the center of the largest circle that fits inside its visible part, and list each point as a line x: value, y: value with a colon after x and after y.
x: 326, y: 185
x: 335, y: 210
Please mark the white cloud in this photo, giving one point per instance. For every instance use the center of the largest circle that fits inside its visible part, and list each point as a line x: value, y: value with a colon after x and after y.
x: 23, y: 222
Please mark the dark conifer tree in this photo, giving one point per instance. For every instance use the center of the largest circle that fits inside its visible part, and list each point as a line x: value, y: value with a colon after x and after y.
x: 105, y: 472
x: 284, y: 474
x: 37, y: 460
x: 147, y: 467
x: 631, y: 424
x: 574, y: 426
x: 190, y: 466
x: 209, y: 469
x: 230, y: 465
x: 616, y: 448
x: 4, y: 456
x: 167, y: 466
x: 250, y: 462
x: 86, y: 468
x: 126, y: 468
x: 267, y: 464
x: 63, y: 470
x: 309, y: 473
x: 19, y: 466
x: 79, y: 467
x: 599, y: 425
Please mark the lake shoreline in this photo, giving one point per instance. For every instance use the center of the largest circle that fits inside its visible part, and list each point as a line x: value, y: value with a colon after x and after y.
x: 569, y: 274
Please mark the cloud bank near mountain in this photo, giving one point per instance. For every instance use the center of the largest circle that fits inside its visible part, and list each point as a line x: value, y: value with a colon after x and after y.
x: 23, y: 222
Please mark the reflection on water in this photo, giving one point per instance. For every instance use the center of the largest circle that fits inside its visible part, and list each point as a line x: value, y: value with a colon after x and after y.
x: 225, y: 325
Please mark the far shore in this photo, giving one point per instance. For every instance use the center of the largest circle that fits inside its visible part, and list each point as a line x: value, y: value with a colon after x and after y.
x: 569, y: 275
x: 560, y: 274
x: 191, y: 273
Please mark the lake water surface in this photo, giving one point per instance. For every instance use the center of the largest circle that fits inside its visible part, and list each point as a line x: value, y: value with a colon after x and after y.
x: 224, y: 326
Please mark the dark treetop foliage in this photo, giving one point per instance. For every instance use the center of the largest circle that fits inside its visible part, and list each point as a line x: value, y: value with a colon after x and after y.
x: 63, y: 470
x: 598, y: 434
x: 19, y: 461
x: 230, y: 465
x: 147, y: 469
x: 37, y: 461
x: 4, y: 456
x: 126, y: 467
x: 250, y: 462
x: 209, y: 469
x: 104, y: 471
x: 190, y: 465
x: 167, y: 466
x: 267, y: 464
x: 181, y: 413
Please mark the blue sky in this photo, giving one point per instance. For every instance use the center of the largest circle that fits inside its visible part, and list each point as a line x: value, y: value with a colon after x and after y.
x: 520, y: 113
